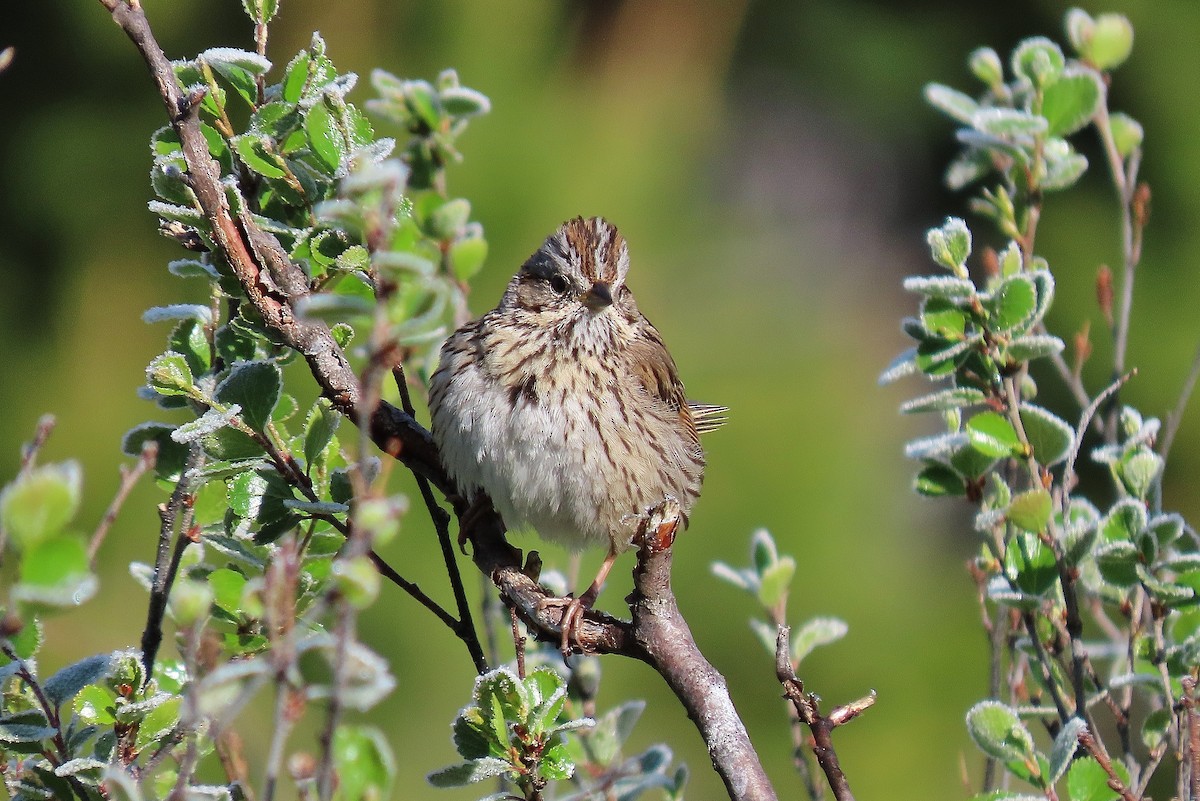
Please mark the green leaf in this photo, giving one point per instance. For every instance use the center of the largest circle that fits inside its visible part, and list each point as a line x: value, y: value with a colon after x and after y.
x: 1030, y: 563
x: 998, y: 731
x: 1063, y: 166
x: 1118, y: 562
x: 63, y: 685
x: 950, y: 245
x: 366, y: 767
x: 1138, y: 471
x: 951, y: 102
x: 56, y: 572
x: 1110, y: 42
x: 940, y: 286
x: 169, y: 374
x: 986, y: 65
x: 1028, y: 347
x: 1038, y: 61
x: 229, y: 444
x: 1030, y: 511
x: 459, y: 101
x: 1065, y: 745
x: 260, y: 11
x: 992, y: 435
x: 938, y: 357
x: 255, y: 386
x: 259, y: 153
x: 25, y: 727
x: 944, y: 400
x: 1048, y: 435
x: 1166, y: 528
x: 1087, y: 781
x: 477, y: 770
x: 319, y: 429
x: 467, y: 256
x: 943, y: 318
x: 40, y: 502
x: 449, y: 218
x: 556, y: 763
x: 1155, y: 728
x: 936, y: 480
x: 775, y: 581
x: 1009, y: 123
x: 357, y: 580
x: 1127, y: 133
x: 227, y: 586
x: 612, y: 730
x: 1124, y: 521
x: 158, y: 723
x: 189, y: 338
x: 1011, y: 304
x: 1071, y: 102
x: 815, y: 633
x: 205, y: 424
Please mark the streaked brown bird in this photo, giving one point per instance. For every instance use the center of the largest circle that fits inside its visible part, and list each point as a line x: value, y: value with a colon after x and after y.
x: 564, y: 406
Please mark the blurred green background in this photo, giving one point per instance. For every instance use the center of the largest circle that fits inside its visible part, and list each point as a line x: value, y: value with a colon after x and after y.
x: 774, y: 170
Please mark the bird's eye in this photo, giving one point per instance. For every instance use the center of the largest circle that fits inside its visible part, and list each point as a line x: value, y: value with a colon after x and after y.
x: 558, y: 282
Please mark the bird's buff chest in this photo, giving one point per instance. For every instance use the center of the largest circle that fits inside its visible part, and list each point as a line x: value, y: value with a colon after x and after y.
x: 551, y: 457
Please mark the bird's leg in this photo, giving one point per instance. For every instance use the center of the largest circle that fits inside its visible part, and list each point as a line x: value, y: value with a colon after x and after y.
x: 572, y: 617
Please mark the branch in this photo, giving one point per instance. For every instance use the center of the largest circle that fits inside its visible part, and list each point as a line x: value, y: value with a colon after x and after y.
x: 820, y: 725
x: 129, y: 477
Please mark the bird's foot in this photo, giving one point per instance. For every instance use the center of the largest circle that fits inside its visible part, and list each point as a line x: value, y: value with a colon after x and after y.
x: 571, y: 622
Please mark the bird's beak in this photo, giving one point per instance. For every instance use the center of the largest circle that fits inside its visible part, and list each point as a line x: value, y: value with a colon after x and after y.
x: 598, y: 297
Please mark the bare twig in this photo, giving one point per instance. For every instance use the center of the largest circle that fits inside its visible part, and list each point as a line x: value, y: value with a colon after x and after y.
x: 176, y: 523
x: 1092, y: 746
x: 809, y: 712
x: 1085, y: 420
x: 129, y: 478
x: 30, y: 450
x: 464, y: 627
x: 1175, y: 418
x: 1124, y: 175
x: 1193, y: 735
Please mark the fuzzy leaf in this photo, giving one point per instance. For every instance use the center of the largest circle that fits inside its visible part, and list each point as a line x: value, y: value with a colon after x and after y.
x: 815, y: 633
x: 40, y: 502
x: 1070, y: 102
x: 952, y: 398
x: 1065, y: 745
x: 999, y: 732
x: 1049, y: 436
x: 992, y: 435
x: 255, y: 387
x: 1030, y: 511
x: 951, y: 102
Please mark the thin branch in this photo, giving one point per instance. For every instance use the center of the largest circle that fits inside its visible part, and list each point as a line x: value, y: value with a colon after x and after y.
x: 464, y: 627
x: 176, y: 522
x: 808, y: 710
x: 129, y: 478
x: 1175, y: 418
x: 1193, y: 738
x: 30, y: 450
x: 1092, y: 746
x: 1085, y: 420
